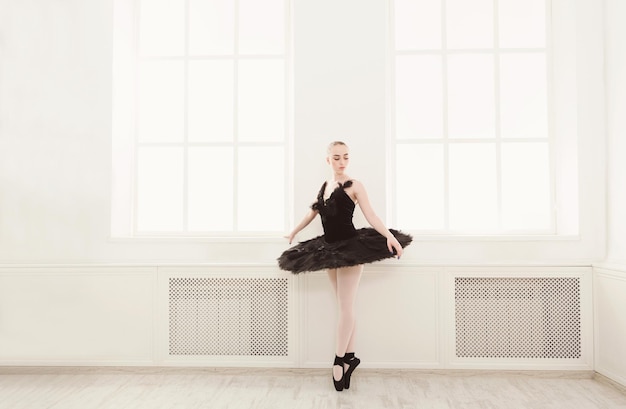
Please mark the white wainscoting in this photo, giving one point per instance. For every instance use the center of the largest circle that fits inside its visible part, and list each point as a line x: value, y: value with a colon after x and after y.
x: 77, y: 315
x: 124, y: 315
x: 609, y: 290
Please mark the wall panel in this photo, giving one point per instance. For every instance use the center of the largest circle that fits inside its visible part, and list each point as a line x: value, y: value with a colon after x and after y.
x: 610, y: 321
x: 77, y: 316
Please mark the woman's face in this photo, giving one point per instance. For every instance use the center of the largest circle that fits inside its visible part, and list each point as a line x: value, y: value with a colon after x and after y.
x: 338, y: 158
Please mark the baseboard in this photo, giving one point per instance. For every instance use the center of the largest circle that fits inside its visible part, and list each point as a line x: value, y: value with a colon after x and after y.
x: 609, y: 381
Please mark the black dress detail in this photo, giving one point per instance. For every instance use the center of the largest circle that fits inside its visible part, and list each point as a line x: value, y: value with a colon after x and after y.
x: 341, y: 245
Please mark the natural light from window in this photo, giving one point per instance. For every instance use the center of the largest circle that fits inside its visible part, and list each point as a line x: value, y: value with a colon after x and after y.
x: 206, y: 131
x: 471, y: 128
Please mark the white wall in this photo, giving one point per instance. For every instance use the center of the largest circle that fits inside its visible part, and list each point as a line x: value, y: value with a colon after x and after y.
x: 55, y: 116
x: 610, y: 276
x: 55, y: 87
x: 616, y: 129
x: 55, y: 125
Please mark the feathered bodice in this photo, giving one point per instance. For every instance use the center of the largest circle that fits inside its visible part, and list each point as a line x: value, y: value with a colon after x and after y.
x: 336, y: 213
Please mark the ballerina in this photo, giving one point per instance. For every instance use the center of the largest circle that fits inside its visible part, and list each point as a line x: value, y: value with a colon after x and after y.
x: 342, y: 250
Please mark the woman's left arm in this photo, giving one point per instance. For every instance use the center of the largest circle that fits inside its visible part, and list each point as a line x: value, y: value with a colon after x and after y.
x: 372, y: 218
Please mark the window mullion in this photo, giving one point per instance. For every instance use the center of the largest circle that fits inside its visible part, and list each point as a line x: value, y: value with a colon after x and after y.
x: 288, y: 180
x: 551, y: 115
x: 496, y: 78
x: 186, y: 124
x: 446, y: 141
x: 236, y: 118
x: 135, y: 168
x: 392, y: 140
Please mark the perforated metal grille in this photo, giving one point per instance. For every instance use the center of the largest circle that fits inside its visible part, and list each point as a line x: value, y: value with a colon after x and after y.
x: 517, y: 317
x: 228, y: 316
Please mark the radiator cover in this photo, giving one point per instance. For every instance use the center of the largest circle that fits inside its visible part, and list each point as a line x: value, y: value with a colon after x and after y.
x: 537, y: 317
x: 228, y: 316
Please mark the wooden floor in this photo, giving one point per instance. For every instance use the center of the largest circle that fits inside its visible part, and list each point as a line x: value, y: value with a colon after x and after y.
x: 153, y: 388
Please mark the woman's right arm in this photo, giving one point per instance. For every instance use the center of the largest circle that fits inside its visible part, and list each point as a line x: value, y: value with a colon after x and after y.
x: 308, y: 218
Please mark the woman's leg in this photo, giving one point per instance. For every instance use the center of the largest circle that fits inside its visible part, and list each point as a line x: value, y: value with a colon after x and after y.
x: 345, y: 282
x: 332, y: 275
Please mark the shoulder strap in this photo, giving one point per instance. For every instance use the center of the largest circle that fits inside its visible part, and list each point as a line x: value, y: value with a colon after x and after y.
x: 318, y: 204
x: 320, y: 194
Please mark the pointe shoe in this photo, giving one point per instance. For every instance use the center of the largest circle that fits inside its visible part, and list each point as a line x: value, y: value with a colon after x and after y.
x: 352, y: 362
x: 339, y: 384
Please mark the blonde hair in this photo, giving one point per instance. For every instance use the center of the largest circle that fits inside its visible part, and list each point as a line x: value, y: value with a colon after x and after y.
x: 334, y: 143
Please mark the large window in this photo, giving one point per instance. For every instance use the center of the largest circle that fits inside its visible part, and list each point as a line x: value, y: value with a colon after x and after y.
x: 201, y: 125
x: 472, y: 138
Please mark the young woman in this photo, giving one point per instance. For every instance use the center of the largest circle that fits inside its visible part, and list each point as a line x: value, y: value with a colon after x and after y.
x: 342, y: 250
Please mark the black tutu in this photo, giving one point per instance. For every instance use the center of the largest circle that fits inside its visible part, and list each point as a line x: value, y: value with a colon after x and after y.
x: 316, y: 254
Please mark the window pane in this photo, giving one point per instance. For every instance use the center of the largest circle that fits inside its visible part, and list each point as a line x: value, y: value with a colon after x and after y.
x: 522, y: 23
x: 419, y: 97
x: 160, y: 189
x: 418, y: 24
x: 161, y: 101
x: 210, y: 188
x: 261, y: 189
x: 471, y: 105
x: 162, y: 27
x: 262, y: 27
x: 523, y: 96
x: 420, y: 202
x: 525, y: 186
x: 211, y: 88
x: 473, y: 186
x: 261, y: 100
x: 211, y: 27
x: 469, y: 23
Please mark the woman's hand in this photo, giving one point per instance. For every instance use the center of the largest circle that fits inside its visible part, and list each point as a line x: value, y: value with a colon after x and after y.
x: 290, y: 236
x: 393, y: 244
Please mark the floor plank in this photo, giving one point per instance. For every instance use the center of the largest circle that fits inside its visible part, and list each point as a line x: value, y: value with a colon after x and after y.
x: 189, y: 388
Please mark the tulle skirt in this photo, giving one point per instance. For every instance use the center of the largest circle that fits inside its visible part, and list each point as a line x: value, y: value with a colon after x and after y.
x: 316, y: 254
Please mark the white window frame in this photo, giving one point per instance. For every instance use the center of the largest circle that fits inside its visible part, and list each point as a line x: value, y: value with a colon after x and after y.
x: 125, y: 142
x: 561, y: 139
